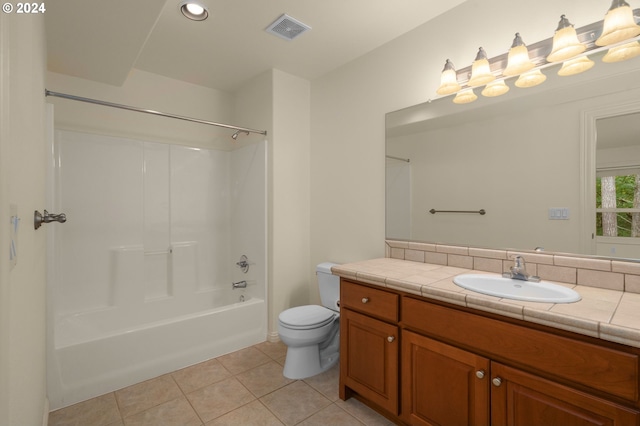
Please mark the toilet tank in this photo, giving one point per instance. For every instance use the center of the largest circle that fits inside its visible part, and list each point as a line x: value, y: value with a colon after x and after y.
x: 329, y: 286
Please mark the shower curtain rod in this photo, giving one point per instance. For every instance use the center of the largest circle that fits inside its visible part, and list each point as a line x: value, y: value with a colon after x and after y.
x: 150, y: 111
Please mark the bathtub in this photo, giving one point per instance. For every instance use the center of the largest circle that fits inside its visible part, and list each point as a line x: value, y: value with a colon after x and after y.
x: 92, y: 355
x: 139, y: 277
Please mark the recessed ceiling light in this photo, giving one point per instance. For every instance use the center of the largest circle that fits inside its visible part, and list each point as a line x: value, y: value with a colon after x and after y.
x: 194, y: 10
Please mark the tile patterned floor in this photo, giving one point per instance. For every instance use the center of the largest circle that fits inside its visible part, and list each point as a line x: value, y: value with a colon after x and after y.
x: 242, y: 388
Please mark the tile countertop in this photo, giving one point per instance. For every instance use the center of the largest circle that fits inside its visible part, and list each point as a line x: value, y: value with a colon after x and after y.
x: 606, y: 314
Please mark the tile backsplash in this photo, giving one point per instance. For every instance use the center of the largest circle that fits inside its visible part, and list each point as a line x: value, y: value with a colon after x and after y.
x: 587, y: 271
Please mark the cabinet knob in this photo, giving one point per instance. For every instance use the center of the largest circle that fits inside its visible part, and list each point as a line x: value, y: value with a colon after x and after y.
x: 365, y: 300
x: 480, y: 374
x: 497, y: 381
x: 390, y: 339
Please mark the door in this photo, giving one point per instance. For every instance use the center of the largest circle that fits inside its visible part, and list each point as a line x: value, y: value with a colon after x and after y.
x: 521, y: 399
x: 443, y: 385
x: 369, y: 358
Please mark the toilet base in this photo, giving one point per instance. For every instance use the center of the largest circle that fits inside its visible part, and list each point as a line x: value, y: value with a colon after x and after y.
x: 307, y: 361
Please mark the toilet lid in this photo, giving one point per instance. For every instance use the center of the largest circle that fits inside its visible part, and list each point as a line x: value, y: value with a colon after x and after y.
x: 309, y: 316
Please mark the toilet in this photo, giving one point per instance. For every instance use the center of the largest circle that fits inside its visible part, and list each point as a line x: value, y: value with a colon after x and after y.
x: 312, y: 332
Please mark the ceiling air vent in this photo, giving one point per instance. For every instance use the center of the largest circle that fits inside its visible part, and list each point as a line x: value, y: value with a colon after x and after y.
x: 287, y: 27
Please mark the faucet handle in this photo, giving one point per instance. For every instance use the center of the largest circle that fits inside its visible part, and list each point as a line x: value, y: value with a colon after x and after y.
x: 518, y: 262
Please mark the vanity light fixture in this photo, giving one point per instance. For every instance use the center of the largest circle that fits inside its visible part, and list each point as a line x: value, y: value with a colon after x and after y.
x: 618, y: 33
x: 565, y: 42
x: 480, y: 70
x: 518, y: 60
x: 619, y: 24
x: 194, y: 10
x: 622, y: 52
x: 530, y: 79
x: 448, y: 80
x: 495, y: 88
x: 465, y: 96
x: 576, y: 66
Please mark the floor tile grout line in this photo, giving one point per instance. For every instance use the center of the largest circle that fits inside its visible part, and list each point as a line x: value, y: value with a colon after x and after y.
x: 351, y: 414
x: 153, y: 406
x: 203, y: 386
x: 117, y: 406
x: 190, y: 403
x: 234, y: 376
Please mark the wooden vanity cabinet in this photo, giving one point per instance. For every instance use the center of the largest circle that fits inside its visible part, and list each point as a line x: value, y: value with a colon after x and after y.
x: 443, y: 385
x: 428, y: 363
x: 522, y: 399
x: 369, y: 345
x: 497, y: 378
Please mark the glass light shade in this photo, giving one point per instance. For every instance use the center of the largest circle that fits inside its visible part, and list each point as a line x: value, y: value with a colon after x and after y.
x: 448, y: 80
x: 576, y: 66
x: 619, y: 24
x: 465, y: 96
x: 518, y: 60
x: 622, y: 53
x: 495, y: 88
x: 530, y: 79
x: 565, y: 42
x: 480, y: 70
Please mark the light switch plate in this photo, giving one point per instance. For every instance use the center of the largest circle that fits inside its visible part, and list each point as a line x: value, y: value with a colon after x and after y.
x: 558, y: 213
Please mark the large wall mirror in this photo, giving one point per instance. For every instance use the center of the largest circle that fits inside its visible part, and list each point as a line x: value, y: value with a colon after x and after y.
x: 534, y: 160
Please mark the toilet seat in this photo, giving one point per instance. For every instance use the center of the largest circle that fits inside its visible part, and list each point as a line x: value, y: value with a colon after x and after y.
x: 306, y: 317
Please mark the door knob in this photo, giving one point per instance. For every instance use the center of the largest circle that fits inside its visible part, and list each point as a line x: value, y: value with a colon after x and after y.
x: 480, y: 374
x: 365, y: 300
x: 497, y: 381
x: 390, y: 339
x: 39, y: 219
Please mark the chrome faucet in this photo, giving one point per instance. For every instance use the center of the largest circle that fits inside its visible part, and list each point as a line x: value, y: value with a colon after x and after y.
x: 239, y: 284
x: 519, y: 271
x: 243, y: 264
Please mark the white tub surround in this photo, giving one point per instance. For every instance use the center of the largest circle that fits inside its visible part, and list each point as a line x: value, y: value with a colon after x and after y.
x: 140, y: 275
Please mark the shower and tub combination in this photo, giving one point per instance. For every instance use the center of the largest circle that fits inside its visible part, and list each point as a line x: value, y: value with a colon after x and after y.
x: 161, y: 263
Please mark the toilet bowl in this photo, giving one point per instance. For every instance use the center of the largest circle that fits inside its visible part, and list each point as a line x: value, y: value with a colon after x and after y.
x: 312, y: 332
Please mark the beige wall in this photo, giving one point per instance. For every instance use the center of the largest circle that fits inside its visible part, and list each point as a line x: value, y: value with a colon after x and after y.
x: 22, y: 182
x: 349, y: 106
x: 289, y: 194
x: 279, y: 102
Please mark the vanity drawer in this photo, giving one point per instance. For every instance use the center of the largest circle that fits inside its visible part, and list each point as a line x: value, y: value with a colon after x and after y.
x: 370, y: 301
x: 606, y: 369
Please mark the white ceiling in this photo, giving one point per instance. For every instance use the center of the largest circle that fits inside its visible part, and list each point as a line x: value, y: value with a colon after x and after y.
x: 104, y: 40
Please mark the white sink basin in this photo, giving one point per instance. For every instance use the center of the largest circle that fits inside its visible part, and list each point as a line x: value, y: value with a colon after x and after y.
x: 509, y: 288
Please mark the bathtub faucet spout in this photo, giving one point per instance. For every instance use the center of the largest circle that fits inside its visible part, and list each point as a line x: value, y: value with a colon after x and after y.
x: 239, y: 284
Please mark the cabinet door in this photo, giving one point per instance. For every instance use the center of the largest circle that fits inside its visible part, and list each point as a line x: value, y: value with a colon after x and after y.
x: 519, y: 398
x: 369, y: 359
x: 443, y: 385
